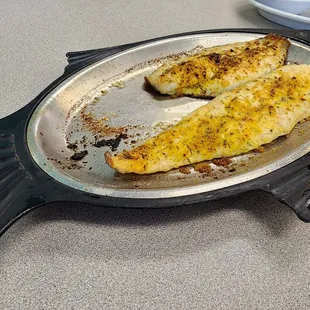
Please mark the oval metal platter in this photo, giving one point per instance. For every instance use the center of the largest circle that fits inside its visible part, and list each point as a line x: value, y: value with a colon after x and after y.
x: 107, y: 106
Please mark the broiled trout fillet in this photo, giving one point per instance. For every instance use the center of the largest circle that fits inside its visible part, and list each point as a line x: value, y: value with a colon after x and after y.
x: 221, y: 68
x: 235, y: 122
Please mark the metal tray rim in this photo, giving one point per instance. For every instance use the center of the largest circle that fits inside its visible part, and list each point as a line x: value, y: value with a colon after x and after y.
x: 163, y: 192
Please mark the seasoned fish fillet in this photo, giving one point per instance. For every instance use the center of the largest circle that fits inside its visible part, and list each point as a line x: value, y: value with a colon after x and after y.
x: 235, y: 122
x: 221, y: 68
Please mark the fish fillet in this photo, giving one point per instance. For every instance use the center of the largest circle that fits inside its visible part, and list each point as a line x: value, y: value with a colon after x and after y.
x: 233, y: 123
x: 215, y: 70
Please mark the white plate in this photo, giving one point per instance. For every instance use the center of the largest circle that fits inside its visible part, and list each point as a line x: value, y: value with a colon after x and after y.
x: 284, y: 18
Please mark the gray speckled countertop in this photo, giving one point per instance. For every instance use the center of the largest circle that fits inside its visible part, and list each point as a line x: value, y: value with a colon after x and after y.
x: 248, y: 252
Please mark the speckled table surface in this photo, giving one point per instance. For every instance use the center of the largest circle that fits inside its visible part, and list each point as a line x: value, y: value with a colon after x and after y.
x: 247, y: 252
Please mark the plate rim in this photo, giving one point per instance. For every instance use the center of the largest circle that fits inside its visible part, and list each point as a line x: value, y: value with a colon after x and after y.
x: 280, y: 13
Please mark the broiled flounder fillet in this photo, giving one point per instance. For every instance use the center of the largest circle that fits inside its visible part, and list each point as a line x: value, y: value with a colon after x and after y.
x: 235, y: 122
x: 221, y: 68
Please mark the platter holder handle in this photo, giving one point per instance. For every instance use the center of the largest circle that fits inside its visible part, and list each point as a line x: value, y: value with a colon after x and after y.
x: 23, y: 184
x: 20, y: 181
x: 291, y: 186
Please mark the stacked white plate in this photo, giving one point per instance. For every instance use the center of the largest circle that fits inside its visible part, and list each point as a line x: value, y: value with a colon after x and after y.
x: 290, y: 13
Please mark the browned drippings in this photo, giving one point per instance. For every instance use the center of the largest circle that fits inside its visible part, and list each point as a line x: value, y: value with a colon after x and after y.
x: 99, y: 127
x: 184, y: 170
x: 65, y: 165
x: 224, y: 162
x: 260, y: 149
x: 203, y: 167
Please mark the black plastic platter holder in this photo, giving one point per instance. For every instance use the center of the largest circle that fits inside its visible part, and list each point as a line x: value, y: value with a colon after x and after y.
x: 25, y: 186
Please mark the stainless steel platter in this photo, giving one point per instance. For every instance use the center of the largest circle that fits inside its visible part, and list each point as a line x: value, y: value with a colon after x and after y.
x: 109, y: 98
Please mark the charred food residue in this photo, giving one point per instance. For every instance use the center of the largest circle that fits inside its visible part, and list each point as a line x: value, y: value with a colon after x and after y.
x: 72, y: 146
x: 111, y: 143
x: 79, y: 155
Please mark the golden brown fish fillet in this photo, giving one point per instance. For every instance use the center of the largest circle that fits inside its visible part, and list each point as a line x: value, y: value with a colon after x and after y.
x: 235, y: 122
x: 221, y: 68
